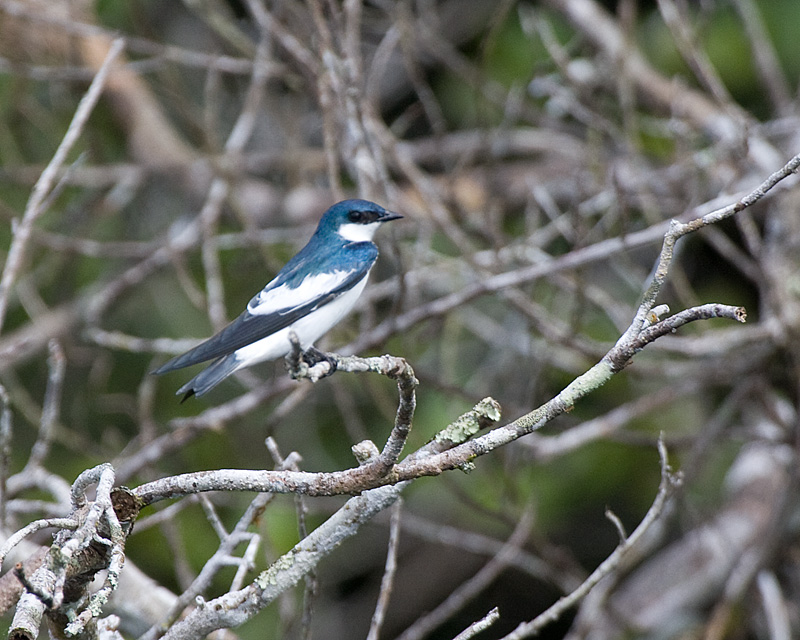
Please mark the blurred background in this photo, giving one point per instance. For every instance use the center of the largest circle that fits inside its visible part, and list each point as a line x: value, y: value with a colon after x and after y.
x: 537, y: 151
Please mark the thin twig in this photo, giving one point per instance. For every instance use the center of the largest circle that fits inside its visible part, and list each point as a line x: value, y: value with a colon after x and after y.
x: 52, y: 403
x: 43, y: 187
x: 765, y: 56
x: 390, y: 366
x: 18, y: 536
x: 670, y: 482
x: 390, y: 568
x: 479, y: 625
x: 466, y: 592
x: 6, y: 434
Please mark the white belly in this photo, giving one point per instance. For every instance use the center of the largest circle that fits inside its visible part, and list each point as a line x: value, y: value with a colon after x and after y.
x: 308, y: 329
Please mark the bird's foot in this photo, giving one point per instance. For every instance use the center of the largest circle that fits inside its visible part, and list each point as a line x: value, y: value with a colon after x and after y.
x: 312, y: 363
x: 320, y: 364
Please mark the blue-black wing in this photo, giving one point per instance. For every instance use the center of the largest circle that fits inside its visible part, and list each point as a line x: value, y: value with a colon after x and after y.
x: 250, y: 327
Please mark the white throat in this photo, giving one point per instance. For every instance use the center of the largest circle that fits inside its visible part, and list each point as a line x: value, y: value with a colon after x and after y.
x: 353, y: 232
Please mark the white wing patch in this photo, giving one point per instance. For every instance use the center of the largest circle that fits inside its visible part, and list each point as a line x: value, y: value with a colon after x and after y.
x: 308, y: 328
x: 285, y: 298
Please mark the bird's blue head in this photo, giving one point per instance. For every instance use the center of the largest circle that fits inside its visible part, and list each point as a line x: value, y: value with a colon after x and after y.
x: 354, y: 220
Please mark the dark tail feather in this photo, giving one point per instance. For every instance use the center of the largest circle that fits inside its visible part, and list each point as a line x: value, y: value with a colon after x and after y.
x: 209, y: 377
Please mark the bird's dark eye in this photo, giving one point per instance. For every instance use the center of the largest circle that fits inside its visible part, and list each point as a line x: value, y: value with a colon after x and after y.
x: 357, y: 216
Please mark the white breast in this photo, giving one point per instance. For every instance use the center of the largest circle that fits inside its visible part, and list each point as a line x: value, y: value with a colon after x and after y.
x: 309, y: 329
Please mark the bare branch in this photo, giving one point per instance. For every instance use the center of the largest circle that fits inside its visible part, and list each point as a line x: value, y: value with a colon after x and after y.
x: 234, y: 608
x: 479, y: 625
x: 52, y: 401
x: 5, y: 453
x: 472, y: 587
x: 35, y: 206
x: 387, y: 581
x: 536, y: 195
x: 670, y: 482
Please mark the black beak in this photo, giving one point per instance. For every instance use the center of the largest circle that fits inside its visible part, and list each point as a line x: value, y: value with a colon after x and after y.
x: 389, y: 215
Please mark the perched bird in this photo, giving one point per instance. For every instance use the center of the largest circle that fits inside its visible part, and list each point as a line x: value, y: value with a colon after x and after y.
x: 312, y: 293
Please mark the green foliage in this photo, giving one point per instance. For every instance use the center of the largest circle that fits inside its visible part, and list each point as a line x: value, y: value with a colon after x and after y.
x: 509, y: 55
